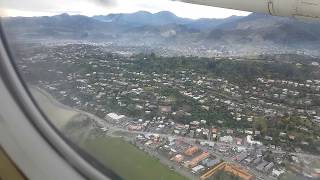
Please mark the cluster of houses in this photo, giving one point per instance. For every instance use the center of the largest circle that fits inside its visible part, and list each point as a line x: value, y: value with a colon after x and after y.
x: 88, y: 78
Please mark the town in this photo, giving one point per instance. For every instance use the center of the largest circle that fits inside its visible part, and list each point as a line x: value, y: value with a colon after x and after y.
x: 254, y: 117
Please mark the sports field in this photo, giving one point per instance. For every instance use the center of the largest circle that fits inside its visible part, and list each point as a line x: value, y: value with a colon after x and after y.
x: 128, y: 161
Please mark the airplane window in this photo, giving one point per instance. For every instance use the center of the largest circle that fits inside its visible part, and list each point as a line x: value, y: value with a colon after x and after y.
x: 169, y: 90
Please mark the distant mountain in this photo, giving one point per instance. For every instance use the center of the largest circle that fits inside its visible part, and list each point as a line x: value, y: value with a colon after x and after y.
x: 259, y: 27
x: 143, y: 18
x: 207, y: 24
x: 60, y: 26
x: 112, y: 26
x: 255, y: 33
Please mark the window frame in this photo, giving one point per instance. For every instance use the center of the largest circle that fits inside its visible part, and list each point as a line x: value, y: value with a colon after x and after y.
x: 14, y: 89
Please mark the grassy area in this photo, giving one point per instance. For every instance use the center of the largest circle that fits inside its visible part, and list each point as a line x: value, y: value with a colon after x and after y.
x: 128, y: 161
x: 221, y: 175
x: 291, y: 176
x: 315, y: 163
x: 122, y: 157
x: 58, y: 114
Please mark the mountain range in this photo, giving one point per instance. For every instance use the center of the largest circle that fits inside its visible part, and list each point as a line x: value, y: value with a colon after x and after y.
x: 144, y: 18
x: 255, y: 33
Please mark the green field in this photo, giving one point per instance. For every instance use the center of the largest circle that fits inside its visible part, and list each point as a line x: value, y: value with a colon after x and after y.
x: 123, y: 158
x: 291, y: 176
x: 127, y: 161
x: 57, y: 113
x: 221, y: 175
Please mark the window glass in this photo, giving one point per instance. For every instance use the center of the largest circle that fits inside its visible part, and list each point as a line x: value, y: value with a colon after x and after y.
x: 168, y: 90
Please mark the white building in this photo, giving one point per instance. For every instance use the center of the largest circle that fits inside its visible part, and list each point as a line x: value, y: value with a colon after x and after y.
x: 115, y: 116
x: 226, y: 139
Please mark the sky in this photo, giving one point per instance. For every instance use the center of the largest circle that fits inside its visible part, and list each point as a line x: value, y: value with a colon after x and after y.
x: 104, y: 7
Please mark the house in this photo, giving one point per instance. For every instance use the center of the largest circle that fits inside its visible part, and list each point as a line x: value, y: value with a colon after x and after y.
x: 261, y: 166
x: 197, y: 169
x: 226, y: 139
x: 268, y: 167
x: 115, y: 116
x: 277, y: 173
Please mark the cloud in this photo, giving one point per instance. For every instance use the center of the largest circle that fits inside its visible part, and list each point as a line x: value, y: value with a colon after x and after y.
x: 103, y: 7
x: 107, y: 3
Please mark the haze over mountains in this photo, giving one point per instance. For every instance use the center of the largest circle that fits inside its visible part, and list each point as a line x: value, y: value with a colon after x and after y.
x: 253, y: 34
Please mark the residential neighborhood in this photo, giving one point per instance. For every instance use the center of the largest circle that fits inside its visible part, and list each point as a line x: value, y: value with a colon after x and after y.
x: 198, y: 119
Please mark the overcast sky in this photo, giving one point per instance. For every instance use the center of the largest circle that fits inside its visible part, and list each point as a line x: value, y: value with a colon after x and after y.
x: 103, y: 7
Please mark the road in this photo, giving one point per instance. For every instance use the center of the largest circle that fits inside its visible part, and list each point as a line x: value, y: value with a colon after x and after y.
x: 112, y: 129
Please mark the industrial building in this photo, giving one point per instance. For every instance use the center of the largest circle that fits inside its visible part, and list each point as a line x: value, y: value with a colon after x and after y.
x: 190, y: 151
x: 231, y: 168
x: 197, y: 159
